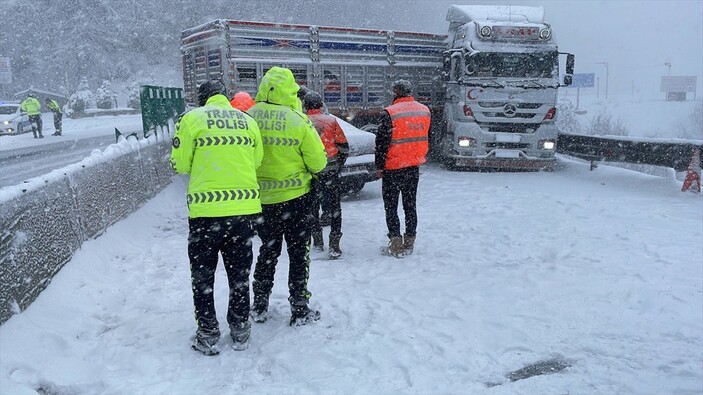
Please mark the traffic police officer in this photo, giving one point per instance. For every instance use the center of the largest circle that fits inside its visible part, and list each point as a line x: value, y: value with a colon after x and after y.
x: 32, y: 107
x: 58, y: 114
x: 220, y: 147
x: 293, y: 152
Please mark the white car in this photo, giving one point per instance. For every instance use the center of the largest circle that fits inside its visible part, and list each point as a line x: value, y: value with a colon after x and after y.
x: 12, y: 119
x: 360, y: 167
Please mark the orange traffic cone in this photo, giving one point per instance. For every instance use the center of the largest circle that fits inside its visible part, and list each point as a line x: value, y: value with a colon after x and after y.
x: 693, y: 178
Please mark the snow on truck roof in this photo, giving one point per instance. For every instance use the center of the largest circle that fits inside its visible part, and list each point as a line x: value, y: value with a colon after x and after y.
x: 499, y: 13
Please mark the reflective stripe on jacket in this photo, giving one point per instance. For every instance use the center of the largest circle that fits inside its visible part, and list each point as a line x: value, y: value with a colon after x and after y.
x: 293, y: 151
x: 220, y: 147
x: 411, y: 124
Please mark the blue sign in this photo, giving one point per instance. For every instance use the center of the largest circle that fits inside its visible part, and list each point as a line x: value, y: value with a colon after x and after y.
x: 583, y: 80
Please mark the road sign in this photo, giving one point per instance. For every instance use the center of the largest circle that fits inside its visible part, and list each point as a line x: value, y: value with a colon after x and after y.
x: 583, y: 80
x: 5, y: 71
x: 678, y: 84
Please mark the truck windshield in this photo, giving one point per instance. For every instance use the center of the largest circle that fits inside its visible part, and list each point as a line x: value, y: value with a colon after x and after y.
x: 516, y: 65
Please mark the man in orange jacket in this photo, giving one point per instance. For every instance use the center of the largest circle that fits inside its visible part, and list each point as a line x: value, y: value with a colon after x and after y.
x: 401, y: 147
x: 337, y: 149
x: 242, y: 101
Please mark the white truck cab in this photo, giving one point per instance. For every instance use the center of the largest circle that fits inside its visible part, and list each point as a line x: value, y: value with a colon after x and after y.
x: 502, y: 70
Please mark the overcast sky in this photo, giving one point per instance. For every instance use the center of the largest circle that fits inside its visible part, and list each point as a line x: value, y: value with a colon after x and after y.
x: 635, y: 37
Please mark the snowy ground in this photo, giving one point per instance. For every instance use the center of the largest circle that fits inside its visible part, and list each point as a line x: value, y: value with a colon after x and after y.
x: 599, y: 269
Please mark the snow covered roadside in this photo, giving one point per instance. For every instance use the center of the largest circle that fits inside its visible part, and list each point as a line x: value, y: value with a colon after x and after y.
x: 73, y: 129
x: 599, y: 268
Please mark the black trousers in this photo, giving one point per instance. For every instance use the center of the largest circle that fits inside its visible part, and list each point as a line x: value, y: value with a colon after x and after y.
x: 401, y: 182
x: 57, y: 122
x: 292, y: 221
x: 36, y: 119
x: 231, y: 237
x: 329, y: 198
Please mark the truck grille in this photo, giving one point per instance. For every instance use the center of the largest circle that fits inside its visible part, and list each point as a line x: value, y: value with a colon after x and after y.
x: 508, y: 127
x: 499, y: 112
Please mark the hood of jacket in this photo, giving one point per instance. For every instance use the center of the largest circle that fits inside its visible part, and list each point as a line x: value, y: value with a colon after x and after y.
x: 278, y: 87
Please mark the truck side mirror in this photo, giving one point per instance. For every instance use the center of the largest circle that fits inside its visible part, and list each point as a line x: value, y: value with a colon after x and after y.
x: 568, y: 79
x: 570, y: 64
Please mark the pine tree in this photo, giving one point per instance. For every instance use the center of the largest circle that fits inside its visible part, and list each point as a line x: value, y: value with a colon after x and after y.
x: 104, y: 96
x: 81, y: 100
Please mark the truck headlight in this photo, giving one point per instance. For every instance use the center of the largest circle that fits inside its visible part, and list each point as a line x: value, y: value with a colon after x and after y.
x: 465, y: 141
x: 547, y: 144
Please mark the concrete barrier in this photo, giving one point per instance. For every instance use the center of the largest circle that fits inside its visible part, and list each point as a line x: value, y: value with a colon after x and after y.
x: 43, y: 222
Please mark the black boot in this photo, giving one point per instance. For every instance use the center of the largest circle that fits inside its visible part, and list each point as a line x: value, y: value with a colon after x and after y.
x: 240, y: 335
x: 318, y: 243
x: 303, y: 315
x: 334, y: 251
x: 205, y: 341
x: 259, y: 310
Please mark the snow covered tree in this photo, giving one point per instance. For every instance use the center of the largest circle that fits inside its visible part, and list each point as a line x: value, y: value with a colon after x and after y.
x: 104, y: 96
x: 692, y: 128
x: 81, y: 100
x: 603, y: 124
x: 566, y: 118
x: 133, y: 99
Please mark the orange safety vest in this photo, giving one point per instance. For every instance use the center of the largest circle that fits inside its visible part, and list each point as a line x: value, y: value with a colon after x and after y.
x: 242, y: 101
x: 411, y: 124
x: 329, y: 130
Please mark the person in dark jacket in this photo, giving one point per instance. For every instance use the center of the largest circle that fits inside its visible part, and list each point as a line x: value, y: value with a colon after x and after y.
x: 58, y: 114
x: 328, y: 193
x: 401, y: 147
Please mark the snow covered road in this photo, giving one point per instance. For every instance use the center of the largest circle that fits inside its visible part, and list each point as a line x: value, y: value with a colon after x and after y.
x: 600, y: 269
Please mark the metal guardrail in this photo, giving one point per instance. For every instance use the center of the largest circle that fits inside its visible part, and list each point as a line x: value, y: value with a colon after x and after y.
x: 610, y: 149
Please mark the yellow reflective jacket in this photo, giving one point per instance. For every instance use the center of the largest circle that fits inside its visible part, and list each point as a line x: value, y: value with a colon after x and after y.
x: 31, y: 106
x: 220, y: 147
x: 54, y: 106
x: 293, y: 151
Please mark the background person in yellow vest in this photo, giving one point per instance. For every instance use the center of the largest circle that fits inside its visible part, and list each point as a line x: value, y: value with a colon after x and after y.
x: 328, y: 195
x: 293, y: 152
x: 401, y: 147
x: 220, y: 147
x: 58, y: 114
x: 32, y: 107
